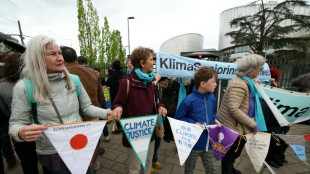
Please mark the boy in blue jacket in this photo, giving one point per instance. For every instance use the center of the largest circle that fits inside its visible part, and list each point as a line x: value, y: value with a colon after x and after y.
x: 199, y: 107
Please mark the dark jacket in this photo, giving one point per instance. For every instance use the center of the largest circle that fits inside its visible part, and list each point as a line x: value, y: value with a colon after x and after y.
x: 193, y: 109
x: 90, y: 80
x: 139, y: 102
x: 113, y: 82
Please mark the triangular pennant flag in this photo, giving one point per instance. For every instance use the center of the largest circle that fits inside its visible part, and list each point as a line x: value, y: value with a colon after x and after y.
x: 297, y: 143
x: 257, y: 148
x: 185, y: 136
x: 221, y: 138
x: 75, y: 143
x: 307, y: 137
x: 139, y: 131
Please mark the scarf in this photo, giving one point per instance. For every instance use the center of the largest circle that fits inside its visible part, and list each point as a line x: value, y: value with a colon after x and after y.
x: 182, y: 93
x: 259, y: 116
x: 146, y: 78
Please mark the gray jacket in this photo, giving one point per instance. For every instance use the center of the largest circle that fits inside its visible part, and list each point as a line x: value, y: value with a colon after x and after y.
x: 66, y: 102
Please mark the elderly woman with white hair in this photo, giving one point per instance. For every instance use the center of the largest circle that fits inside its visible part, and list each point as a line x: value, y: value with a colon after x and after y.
x: 52, y: 85
x: 240, y: 109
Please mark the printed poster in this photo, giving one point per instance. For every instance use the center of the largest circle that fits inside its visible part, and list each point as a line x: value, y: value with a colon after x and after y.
x: 185, y: 136
x: 257, y: 148
x: 297, y: 143
x: 75, y: 143
x: 221, y: 138
x: 139, y: 131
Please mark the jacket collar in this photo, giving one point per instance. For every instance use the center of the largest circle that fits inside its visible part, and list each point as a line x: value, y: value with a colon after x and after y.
x: 56, y: 76
x: 199, y: 94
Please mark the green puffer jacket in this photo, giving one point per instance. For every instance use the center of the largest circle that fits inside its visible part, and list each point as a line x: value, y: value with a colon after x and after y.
x: 67, y: 103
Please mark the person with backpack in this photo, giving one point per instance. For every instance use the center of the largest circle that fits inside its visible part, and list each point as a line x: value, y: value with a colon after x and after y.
x: 47, y: 89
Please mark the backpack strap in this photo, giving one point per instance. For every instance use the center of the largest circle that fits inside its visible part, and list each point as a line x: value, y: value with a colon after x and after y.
x: 32, y: 102
x: 76, y: 80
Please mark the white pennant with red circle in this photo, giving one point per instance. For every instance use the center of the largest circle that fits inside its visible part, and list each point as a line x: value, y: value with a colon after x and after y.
x: 75, y: 143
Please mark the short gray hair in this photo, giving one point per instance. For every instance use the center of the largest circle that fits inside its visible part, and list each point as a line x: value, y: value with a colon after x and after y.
x: 35, y: 67
x: 249, y: 63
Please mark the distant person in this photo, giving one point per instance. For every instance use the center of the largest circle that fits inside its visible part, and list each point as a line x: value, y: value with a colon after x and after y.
x: 11, y: 73
x: 140, y: 101
x: 113, y: 83
x: 44, y: 67
x: 277, y: 148
x: 82, y: 60
x: 240, y: 109
x: 275, y: 76
x: 89, y: 78
x: 199, y: 108
x: 129, y: 67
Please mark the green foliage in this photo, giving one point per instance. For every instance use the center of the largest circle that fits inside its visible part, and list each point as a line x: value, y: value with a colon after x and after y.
x: 263, y: 29
x: 101, y: 47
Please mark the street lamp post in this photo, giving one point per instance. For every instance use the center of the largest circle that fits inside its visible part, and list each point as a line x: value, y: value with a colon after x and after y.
x: 128, y: 34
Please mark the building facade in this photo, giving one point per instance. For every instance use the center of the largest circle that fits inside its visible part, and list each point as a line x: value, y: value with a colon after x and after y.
x: 235, y: 51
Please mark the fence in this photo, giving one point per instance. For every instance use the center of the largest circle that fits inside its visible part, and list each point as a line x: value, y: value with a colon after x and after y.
x: 289, y: 69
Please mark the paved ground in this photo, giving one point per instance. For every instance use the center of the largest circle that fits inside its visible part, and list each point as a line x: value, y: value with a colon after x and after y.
x: 114, y: 160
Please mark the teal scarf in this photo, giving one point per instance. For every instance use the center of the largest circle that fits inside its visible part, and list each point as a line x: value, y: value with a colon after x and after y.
x: 259, y: 116
x: 182, y: 93
x: 146, y: 78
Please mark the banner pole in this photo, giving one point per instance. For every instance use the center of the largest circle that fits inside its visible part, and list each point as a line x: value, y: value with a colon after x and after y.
x: 219, y: 94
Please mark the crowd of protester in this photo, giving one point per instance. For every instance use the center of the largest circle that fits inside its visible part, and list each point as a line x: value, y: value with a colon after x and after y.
x: 52, y: 71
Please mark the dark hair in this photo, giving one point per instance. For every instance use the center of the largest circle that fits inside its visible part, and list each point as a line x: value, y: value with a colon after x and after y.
x: 204, y: 73
x: 12, y: 67
x: 97, y: 69
x: 68, y: 54
x: 116, y: 65
x: 302, y: 82
x: 82, y: 60
x: 138, y: 54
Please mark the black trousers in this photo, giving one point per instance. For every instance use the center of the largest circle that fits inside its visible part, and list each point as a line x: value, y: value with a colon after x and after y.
x: 28, y: 157
x: 1, y: 160
x: 228, y: 161
x: 167, y: 127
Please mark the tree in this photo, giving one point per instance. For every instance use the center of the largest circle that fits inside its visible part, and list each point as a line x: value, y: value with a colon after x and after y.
x: 111, y: 47
x: 117, y: 50
x: 89, y: 32
x: 264, y: 29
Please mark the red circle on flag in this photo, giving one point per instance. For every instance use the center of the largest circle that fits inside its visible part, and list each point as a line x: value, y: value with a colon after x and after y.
x: 78, y: 141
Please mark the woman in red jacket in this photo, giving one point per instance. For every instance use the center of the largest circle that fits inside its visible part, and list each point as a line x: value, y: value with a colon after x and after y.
x: 139, y: 101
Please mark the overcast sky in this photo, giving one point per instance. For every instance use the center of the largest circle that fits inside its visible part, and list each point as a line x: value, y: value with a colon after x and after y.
x: 155, y: 21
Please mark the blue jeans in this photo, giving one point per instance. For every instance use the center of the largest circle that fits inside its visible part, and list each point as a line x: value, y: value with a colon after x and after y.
x: 157, y: 143
x: 7, y: 148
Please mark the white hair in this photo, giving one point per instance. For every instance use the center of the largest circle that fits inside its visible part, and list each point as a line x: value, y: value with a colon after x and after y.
x: 35, y: 67
x: 249, y: 63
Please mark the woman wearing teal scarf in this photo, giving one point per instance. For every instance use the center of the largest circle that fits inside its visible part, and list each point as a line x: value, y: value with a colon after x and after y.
x: 240, y: 108
x: 136, y: 97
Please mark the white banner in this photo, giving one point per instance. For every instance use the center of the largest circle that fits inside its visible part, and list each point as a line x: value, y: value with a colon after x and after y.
x: 168, y: 65
x: 257, y: 148
x: 75, y: 143
x: 185, y: 136
x: 287, y: 106
x: 139, y: 131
